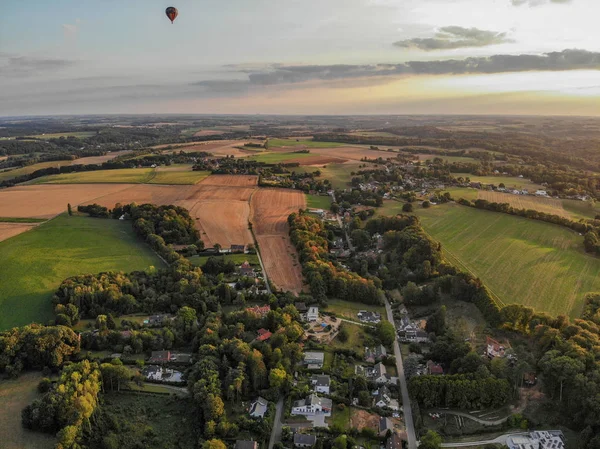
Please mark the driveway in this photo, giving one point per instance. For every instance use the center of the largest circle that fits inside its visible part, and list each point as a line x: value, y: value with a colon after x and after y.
x: 276, y: 431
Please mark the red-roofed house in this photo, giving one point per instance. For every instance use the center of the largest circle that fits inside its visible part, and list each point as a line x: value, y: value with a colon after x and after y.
x: 258, y: 310
x: 263, y: 335
x: 434, y: 368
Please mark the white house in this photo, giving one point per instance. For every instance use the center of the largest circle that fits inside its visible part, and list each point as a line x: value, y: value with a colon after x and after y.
x: 541, y: 193
x: 312, y: 405
x: 383, y: 398
x: 259, y: 408
x: 312, y: 314
x: 320, y: 383
x: 377, y: 374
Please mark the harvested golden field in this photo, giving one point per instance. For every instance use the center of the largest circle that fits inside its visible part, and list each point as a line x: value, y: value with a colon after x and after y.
x: 46, y: 201
x: 207, y: 132
x: 15, y: 395
x: 541, y: 204
x: 231, y: 180
x: 99, y: 159
x: 8, y: 230
x: 270, y: 209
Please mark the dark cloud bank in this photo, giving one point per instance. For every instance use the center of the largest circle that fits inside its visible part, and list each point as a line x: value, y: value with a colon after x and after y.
x: 452, y: 37
x: 282, y: 74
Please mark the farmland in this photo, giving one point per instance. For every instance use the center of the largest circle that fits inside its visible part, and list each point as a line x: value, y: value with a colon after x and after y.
x: 521, y: 261
x: 277, y: 157
x: 353, y: 153
x: 9, y: 174
x: 121, y: 176
x: 76, y: 134
x: 8, y: 230
x: 15, y: 395
x: 338, y: 174
x: 270, y: 209
x: 36, y: 262
x: 277, y: 143
x: 511, y: 182
x: 546, y: 205
x: 178, y: 174
x: 100, y: 159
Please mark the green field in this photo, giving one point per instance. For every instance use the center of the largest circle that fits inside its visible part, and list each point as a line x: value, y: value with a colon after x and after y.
x: 15, y: 395
x: 124, y: 175
x: 178, y: 174
x: 318, y: 201
x: 338, y: 174
x: 509, y: 181
x: 581, y: 209
x: 348, y: 309
x: 238, y: 259
x: 275, y: 143
x: 21, y: 220
x: 36, y: 262
x: 9, y: 174
x: 522, y: 261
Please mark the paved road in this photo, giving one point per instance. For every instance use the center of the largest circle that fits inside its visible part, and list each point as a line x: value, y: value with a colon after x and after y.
x: 276, y: 431
x: 408, y: 418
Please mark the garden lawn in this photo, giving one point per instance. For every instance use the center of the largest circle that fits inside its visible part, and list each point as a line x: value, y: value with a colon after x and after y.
x: 33, y: 264
x: 349, y: 310
x: 318, y: 201
x: 521, y: 261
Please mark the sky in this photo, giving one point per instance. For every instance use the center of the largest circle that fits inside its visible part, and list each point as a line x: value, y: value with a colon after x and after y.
x: 301, y: 57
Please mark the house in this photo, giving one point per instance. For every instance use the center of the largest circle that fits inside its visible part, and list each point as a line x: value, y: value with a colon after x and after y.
x: 157, y: 320
x: 411, y: 332
x: 539, y: 439
x: 314, y: 360
x: 162, y: 374
x: 238, y: 248
x: 383, y: 398
x: 258, y: 310
x: 312, y: 405
x: 541, y: 193
x: 245, y: 444
x: 434, y: 368
x: 259, y: 408
x: 263, y: 335
x: 393, y: 442
x: 312, y: 314
x: 369, y: 317
x: 494, y: 349
x: 160, y: 357
x: 379, y: 375
x: 246, y: 269
x: 301, y: 307
x: 320, y: 383
x: 385, y: 425
x: 182, y: 358
x: 375, y: 354
x: 304, y: 440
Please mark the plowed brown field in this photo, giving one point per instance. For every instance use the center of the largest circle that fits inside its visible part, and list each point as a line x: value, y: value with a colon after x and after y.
x: 99, y: 159
x: 8, y: 230
x: 270, y: 209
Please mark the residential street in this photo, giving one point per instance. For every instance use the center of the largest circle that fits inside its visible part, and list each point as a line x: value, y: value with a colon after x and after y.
x: 408, y: 418
x: 276, y: 432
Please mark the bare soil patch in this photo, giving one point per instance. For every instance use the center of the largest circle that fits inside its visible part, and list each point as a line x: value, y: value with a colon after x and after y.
x: 360, y: 419
x: 270, y: 209
x: 8, y: 230
x: 99, y: 159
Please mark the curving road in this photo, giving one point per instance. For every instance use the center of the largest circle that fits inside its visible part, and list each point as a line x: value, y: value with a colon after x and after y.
x: 408, y: 418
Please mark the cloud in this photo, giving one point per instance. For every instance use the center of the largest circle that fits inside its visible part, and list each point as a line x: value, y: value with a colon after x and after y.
x: 537, y: 2
x: 284, y: 74
x: 11, y: 65
x: 70, y: 30
x: 452, y: 37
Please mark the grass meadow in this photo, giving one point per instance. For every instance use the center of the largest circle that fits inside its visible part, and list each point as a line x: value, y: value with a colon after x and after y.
x: 237, y: 259
x: 36, y: 262
x: 10, y: 174
x: 318, y: 201
x: 338, y: 174
x: 274, y: 158
x: 124, y: 175
x: 522, y: 261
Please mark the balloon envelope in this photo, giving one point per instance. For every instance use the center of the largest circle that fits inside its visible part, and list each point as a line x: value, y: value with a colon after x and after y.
x: 171, y: 13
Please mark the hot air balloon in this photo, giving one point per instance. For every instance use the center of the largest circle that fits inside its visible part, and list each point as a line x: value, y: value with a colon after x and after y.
x: 171, y: 13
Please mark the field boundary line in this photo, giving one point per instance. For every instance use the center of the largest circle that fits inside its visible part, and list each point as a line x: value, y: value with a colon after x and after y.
x: 256, y: 245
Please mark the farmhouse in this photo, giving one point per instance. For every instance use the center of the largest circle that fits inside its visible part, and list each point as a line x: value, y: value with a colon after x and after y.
x: 369, y: 317
x: 304, y: 440
x: 260, y: 311
x: 263, y: 335
x: 246, y: 269
x: 314, y: 360
x: 259, y: 408
x: 494, y: 349
x: 238, y: 248
x: 312, y: 405
x: 375, y: 354
x: 320, y: 383
x: 245, y: 444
